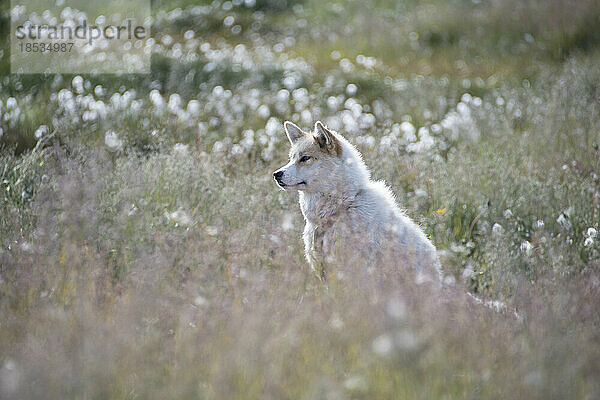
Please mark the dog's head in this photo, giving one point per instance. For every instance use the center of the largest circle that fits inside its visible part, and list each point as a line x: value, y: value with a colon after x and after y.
x: 315, y: 159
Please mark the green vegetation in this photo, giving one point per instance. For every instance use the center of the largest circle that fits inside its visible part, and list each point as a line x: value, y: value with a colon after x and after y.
x: 145, y: 251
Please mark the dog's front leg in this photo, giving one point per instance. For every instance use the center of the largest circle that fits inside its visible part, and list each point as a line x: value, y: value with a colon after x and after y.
x: 313, y: 250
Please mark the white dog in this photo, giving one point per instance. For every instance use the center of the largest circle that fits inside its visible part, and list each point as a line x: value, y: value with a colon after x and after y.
x: 350, y: 219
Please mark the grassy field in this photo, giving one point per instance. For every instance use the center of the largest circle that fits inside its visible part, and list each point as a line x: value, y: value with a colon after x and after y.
x: 146, y: 253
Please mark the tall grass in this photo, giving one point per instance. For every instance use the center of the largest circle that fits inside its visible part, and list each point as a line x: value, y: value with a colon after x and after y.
x: 146, y: 252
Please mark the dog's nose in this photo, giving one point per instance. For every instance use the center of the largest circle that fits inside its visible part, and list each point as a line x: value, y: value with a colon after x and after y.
x: 277, y: 174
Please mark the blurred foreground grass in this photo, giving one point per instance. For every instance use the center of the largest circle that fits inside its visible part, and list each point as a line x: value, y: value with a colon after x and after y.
x: 146, y: 253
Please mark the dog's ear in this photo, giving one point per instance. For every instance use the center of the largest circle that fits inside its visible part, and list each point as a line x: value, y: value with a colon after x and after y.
x: 293, y: 132
x: 327, y: 140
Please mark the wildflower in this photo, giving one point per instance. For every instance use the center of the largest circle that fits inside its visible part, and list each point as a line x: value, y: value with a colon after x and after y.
x: 408, y: 131
x: 497, y: 229
x: 336, y: 322
x: 228, y: 21
x: 212, y: 230
x: 99, y: 91
x: 41, y: 131
x: 563, y: 220
x: 283, y: 95
x: 10, y: 376
x: 263, y: 111
x: 11, y: 103
x: 441, y: 211
x: 421, y: 193
x: 589, y: 242
x: 193, y: 107
x: 351, y: 89
x: 112, y: 141
x: 167, y: 40
x: 288, y: 222
x: 332, y: 103
x: 132, y: 210
x: 200, y: 301
x: 179, y: 217
x: 236, y: 150
x: 181, y: 149
x: 174, y: 103
x: 526, y: 248
x: 346, y: 65
x: 406, y: 340
x: 77, y: 84
x: 467, y: 273
x: 156, y: 98
x: 425, y: 142
x: 382, y: 345
x: 396, y: 309
x: 539, y: 224
x: 508, y: 213
x: 188, y: 35
x: 591, y: 233
x: 355, y: 383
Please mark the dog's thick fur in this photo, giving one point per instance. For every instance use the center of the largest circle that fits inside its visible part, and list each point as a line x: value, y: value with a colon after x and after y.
x: 350, y: 219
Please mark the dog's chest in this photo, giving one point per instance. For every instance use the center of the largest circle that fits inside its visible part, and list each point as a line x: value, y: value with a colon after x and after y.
x: 323, y: 210
x: 326, y: 218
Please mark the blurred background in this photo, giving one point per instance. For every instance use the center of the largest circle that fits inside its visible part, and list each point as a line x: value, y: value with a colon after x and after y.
x: 146, y: 253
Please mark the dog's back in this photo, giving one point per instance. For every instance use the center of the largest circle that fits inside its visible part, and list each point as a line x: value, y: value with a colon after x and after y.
x: 371, y: 231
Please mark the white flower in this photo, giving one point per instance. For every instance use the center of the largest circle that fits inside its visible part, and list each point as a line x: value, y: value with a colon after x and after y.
x: 420, y: 193
x: 336, y: 322
x: 589, y: 242
x: 497, y: 229
x: 351, y: 89
x: 591, y: 233
x: 181, y: 149
x: 77, y: 84
x: 174, y: 103
x: 180, y: 217
x: 406, y: 340
x: 10, y: 376
x: 425, y: 142
x: 193, y: 107
x: 382, y: 345
x: 539, y: 224
x: 408, y: 131
x: 156, y: 98
x: 228, y: 21
x: 11, y: 103
x: 200, y: 301
x: 99, y: 91
x: 526, y: 248
x: 467, y: 273
x: 288, y: 222
x: 356, y: 383
x: 263, y: 111
x: 188, y: 35
x: 563, y: 220
x: 41, y: 131
x: 112, y: 141
x: 396, y: 309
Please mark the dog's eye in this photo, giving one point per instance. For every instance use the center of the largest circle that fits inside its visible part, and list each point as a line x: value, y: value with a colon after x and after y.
x: 304, y: 158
